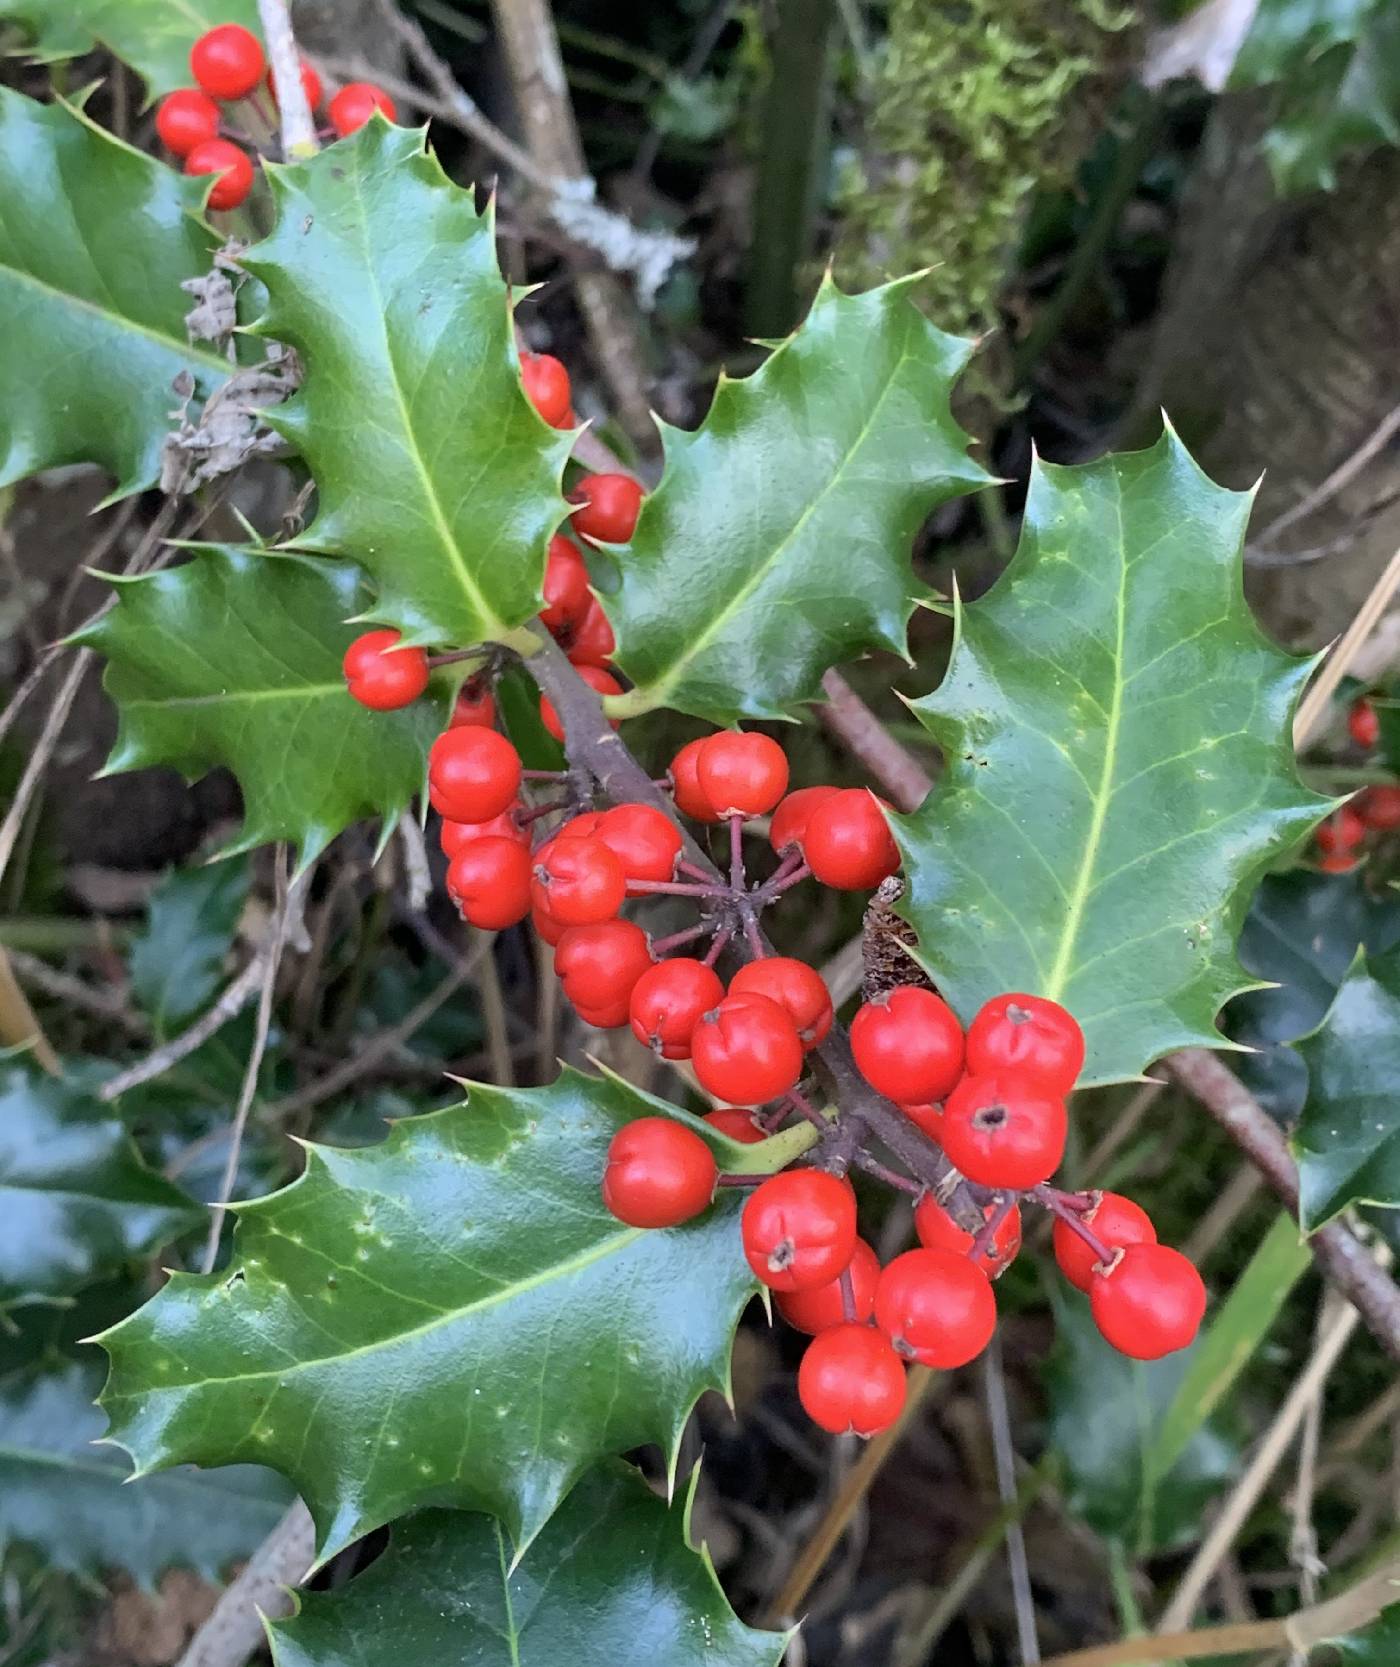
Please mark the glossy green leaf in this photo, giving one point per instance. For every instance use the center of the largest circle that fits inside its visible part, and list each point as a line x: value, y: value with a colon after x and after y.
x: 176, y: 962
x: 76, y: 1201
x: 449, y: 1317
x: 610, y: 1581
x: 71, y: 1501
x: 234, y: 659
x: 1377, y: 1645
x: 1104, y: 1415
x: 1119, y: 768
x: 432, y: 469
x: 778, y: 542
x: 1348, y: 1141
x: 153, y: 36
x: 95, y: 240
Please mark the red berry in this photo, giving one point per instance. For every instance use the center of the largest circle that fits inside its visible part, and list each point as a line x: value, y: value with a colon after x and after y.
x: 578, y: 881
x: 1379, y: 808
x: 929, y: 1118
x: 591, y: 642
x: 489, y: 881
x: 596, y: 678
x: 453, y: 836
x: 746, y: 1050
x: 793, y: 985
x: 355, y: 103
x: 185, y: 119
x: 549, y: 929
x: 741, y: 775
x: 310, y: 82
x: 1034, y: 1039
x: 1004, y: 1132
x: 1115, y: 1221
x: 736, y: 1123
x: 790, y: 819
x: 474, y: 708
x: 599, y: 964
x: 1339, y: 835
x: 936, y: 1307
x: 691, y: 799
x: 234, y: 168
x: 473, y: 774
x: 609, y: 508
x: 938, y: 1231
x: 566, y: 592
x: 547, y: 388
x: 645, y: 841
x: 799, y: 1229
x: 908, y: 1045
x: 851, y: 1381
x: 382, y: 680
x: 227, y: 61
x: 847, y: 842
x: 659, y: 1173
x: 1342, y: 863
x: 1150, y: 1304
x: 583, y: 826
x: 668, y: 1003
x: 1363, y: 723
x: 824, y: 1306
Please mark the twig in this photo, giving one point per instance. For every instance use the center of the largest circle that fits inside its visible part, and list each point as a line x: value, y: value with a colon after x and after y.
x: 1314, y: 703
x: 1302, y: 1534
x: 1328, y: 488
x: 293, y: 108
x: 62, y: 986
x: 19, y: 1027
x: 38, y: 760
x: 234, y: 1629
x: 1004, y: 1456
x: 493, y: 1013
x: 896, y: 769
x: 415, y: 862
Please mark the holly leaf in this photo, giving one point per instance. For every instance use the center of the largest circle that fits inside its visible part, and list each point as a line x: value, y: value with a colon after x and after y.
x: 176, y: 962
x: 76, y: 1201
x: 70, y: 1500
x: 778, y: 541
x: 234, y: 660
x: 449, y: 1317
x: 611, y: 1578
x: 1348, y: 1140
x: 153, y: 36
x: 432, y: 469
x: 1377, y: 1645
x: 1119, y: 769
x: 95, y: 240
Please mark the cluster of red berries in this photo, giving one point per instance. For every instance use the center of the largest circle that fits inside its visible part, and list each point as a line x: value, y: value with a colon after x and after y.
x: 228, y: 66
x: 1374, y: 810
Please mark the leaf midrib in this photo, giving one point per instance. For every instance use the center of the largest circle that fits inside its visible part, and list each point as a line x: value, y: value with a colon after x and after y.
x: 308, y: 691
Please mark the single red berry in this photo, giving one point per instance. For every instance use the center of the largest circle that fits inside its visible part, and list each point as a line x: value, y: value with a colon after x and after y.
x: 381, y: 679
x: 1031, y: 1038
x: 453, y: 836
x: 938, y: 1231
x: 824, y: 1306
x: 847, y: 842
x: 793, y: 985
x: 233, y: 166
x: 596, y: 678
x: 935, y: 1307
x: 355, y: 103
x: 799, y: 1229
x: 669, y: 1001
x: 1151, y: 1304
x: 578, y: 881
x: 908, y: 1045
x: 609, y: 508
x: 741, y: 775
x: 227, y: 61
x: 185, y: 119
x: 790, y: 819
x: 1379, y: 808
x: 591, y: 642
x: 645, y: 840
x: 473, y: 774
x: 489, y: 881
x: 851, y: 1381
x: 691, y: 799
x: 599, y: 964
x: 1364, y: 725
x: 310, y: 82
x: 1341, y: 863
x: 474, y: 708
x: 929, y: 1118
x: 746, y: 1050
x: 547, y: 388
x: 566, y: 592
x: 1114, y: 1221
x: 659, y: 1173
x: 1004, y: 1132
x: 1342, y: 833
x: 737, y: 1123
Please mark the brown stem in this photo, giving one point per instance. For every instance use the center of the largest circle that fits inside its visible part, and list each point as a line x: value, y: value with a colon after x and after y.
x: 293, y: 110
x: 852, y: 722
